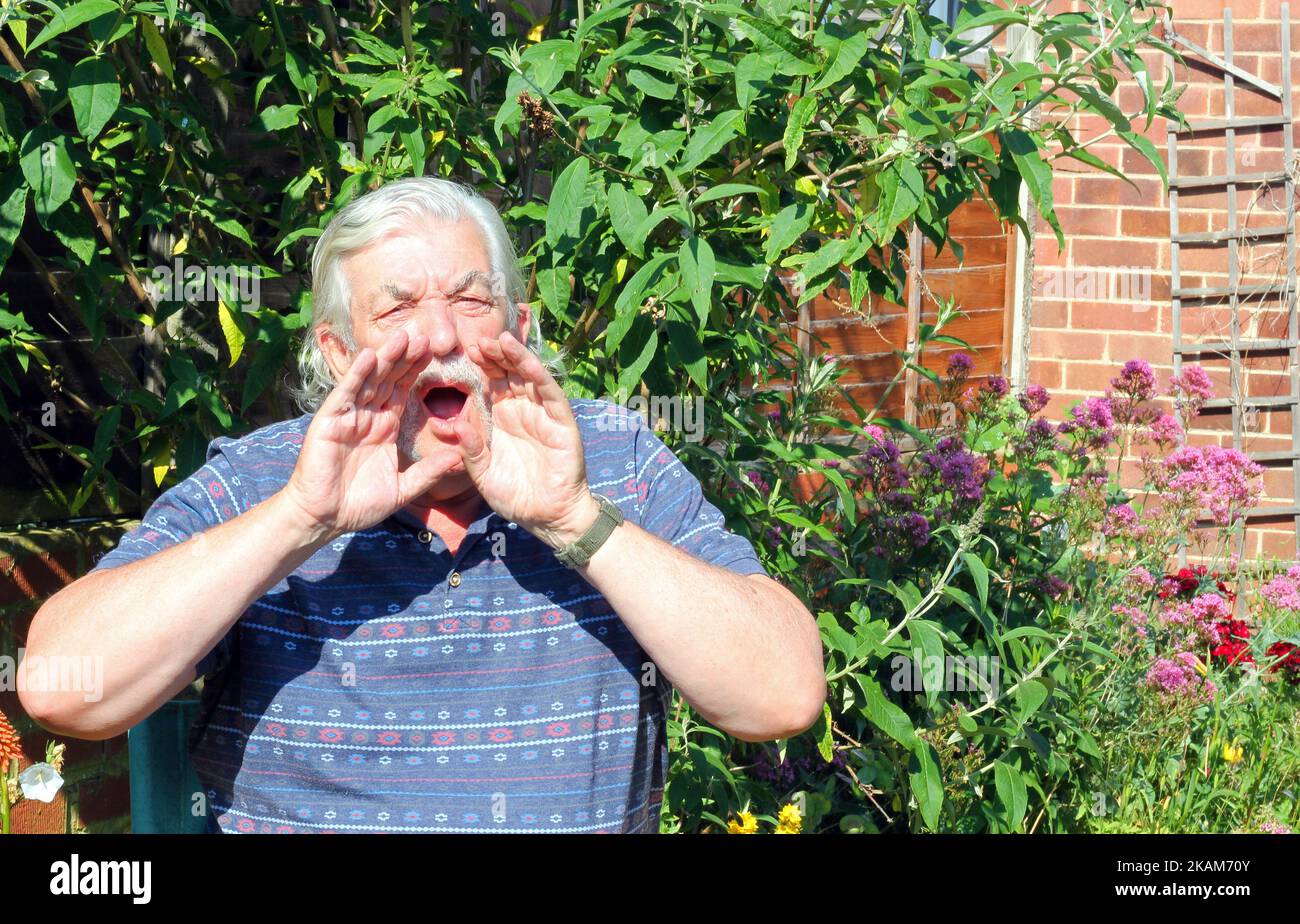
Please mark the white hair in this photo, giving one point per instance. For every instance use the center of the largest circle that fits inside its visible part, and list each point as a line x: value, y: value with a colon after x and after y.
x: 363, y: 221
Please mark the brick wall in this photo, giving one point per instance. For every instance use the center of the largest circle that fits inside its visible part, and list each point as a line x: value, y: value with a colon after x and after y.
x: 1105, y: 297
x: 95, y: 797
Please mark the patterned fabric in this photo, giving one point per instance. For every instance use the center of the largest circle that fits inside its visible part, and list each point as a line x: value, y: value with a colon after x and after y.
x: 389, y: 686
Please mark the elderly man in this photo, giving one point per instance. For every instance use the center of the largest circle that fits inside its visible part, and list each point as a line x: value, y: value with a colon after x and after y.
x: 450, y: 599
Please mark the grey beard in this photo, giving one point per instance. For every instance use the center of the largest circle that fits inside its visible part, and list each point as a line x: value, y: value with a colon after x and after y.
x: 459, y: 370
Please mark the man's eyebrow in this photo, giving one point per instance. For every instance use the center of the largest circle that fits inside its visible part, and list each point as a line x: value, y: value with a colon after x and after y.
x: 395, y: 292
x: 470, y: 277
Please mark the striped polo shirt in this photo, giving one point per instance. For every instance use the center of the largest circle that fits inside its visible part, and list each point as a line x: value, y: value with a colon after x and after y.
x: 387, y: 685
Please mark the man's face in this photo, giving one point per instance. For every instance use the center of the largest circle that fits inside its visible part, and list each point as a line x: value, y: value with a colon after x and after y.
x: 433, y: 279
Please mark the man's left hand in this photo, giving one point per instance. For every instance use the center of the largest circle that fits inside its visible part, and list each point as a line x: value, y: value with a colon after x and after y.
x: 532, y: 468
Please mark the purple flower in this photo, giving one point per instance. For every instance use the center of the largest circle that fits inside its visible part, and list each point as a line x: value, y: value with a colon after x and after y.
x: 1165, y: 431
x: 1190, y: 391
x: 1193, y: 383
x: 1051, y: 585
x: 1136, y: 381
x: 1038, y: 441
x: 959, y: 366
x: 914, y: 527
x: 996, y: 386
x: 1034, y: 399
x: 958, y: 470
x: 1096, y: 418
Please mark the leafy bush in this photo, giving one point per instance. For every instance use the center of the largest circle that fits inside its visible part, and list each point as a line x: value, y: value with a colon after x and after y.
x: 681, y: 177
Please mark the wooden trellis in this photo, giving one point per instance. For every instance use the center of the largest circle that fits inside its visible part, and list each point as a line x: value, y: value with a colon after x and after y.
x: 1239, y: 349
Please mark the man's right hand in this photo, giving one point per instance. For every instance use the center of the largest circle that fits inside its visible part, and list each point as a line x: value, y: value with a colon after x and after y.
x: 349, y: 475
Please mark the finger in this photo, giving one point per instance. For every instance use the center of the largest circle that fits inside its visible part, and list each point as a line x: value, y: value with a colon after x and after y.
x: 386, y: 356
x: 530, y: 369
x: 490, y: 367
x: 343, y: 398
x: 472, y: 443
x: 420, y: 476
x: 405, y: 370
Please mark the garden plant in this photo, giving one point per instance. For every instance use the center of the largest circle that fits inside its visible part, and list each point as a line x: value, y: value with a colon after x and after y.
x: 1011, y: 644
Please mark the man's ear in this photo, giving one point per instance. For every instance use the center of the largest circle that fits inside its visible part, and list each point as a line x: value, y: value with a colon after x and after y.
x: 525, y: 322
x: 337, y: 356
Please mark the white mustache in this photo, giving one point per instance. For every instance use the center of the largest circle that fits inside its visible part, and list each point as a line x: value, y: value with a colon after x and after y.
x: 459, y: 371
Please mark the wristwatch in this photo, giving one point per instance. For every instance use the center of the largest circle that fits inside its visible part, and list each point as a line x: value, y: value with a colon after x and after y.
x: 577, y: 554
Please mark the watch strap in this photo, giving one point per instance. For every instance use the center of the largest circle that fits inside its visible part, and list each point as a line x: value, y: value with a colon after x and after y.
x: 577, y: 554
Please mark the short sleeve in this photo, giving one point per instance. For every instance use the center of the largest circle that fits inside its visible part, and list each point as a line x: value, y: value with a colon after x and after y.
x: 673, y: 507
x: 207, y: 498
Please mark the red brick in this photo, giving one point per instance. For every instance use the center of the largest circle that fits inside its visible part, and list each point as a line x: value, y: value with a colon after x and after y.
x: 1110, y: 252
x: 1114, y: 316
x: 1046, y: 372
x: 1090, y: 221
x: 1137, y: 222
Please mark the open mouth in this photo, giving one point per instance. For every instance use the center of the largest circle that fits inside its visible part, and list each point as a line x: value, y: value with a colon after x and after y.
x: 445, y: 402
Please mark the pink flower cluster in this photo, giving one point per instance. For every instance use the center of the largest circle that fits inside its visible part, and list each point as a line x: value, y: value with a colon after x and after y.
x: 1223, y: 480
x: 1178, y: 679
x: 1284, y: 590
x: 1190, y: 391
x: 1193, y: 620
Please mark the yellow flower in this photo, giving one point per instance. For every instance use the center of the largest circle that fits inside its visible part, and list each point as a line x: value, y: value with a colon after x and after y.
x: 748, y: 824
x: 789, y: 821
x: 1232, y: 753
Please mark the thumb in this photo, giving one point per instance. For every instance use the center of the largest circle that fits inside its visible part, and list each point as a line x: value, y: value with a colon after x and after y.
x: 472, y: 443
x: 420, y: 476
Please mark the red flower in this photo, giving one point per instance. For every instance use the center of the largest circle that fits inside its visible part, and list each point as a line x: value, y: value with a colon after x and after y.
x: 1233, y: 653
x: 1290, y: 660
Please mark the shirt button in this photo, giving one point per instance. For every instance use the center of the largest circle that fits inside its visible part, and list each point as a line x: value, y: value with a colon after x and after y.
x: 454, y: 580
x: 425, y: 536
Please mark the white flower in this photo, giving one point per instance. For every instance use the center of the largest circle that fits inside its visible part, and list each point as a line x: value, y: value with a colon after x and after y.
x: 40, y: 782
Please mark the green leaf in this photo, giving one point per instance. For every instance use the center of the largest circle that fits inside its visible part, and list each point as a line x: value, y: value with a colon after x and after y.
x: 695, y: 258
x: 685, y: 350
x: 105, y: 432
x: 1010, y: 785
x: 635, y: 354
x: 274, y: 118
x: 926, y: 637
x: 1149, y: 151
x: 650, y: 85
x: 926, y: 783
x: 847, y: 56
x: 1035, y: 172
x: 232, y: 227
x: 553, y: 285
x: 710, y: 139
x: 801, y: 115
x: 628, y: 304
x: 886, y: 715
x: 157, y: 48
x: 902, y: 188
x: 979, y: 574
x: 753, y: 72
x: 94, y: 93
x: 69, y: 18
x: 47, y: 165
x: 13, y: 208
x: 568, y: 198
x: 825, y: 744
x: 786, y: 228
x: 1030, y: 695
x: 300, y: 75
x: 232, y: 331
x: 726, y: 191
x: 787, y: 53
x: 627, y: 215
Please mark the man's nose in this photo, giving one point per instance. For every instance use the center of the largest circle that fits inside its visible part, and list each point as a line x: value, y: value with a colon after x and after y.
x: 438, y: 323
